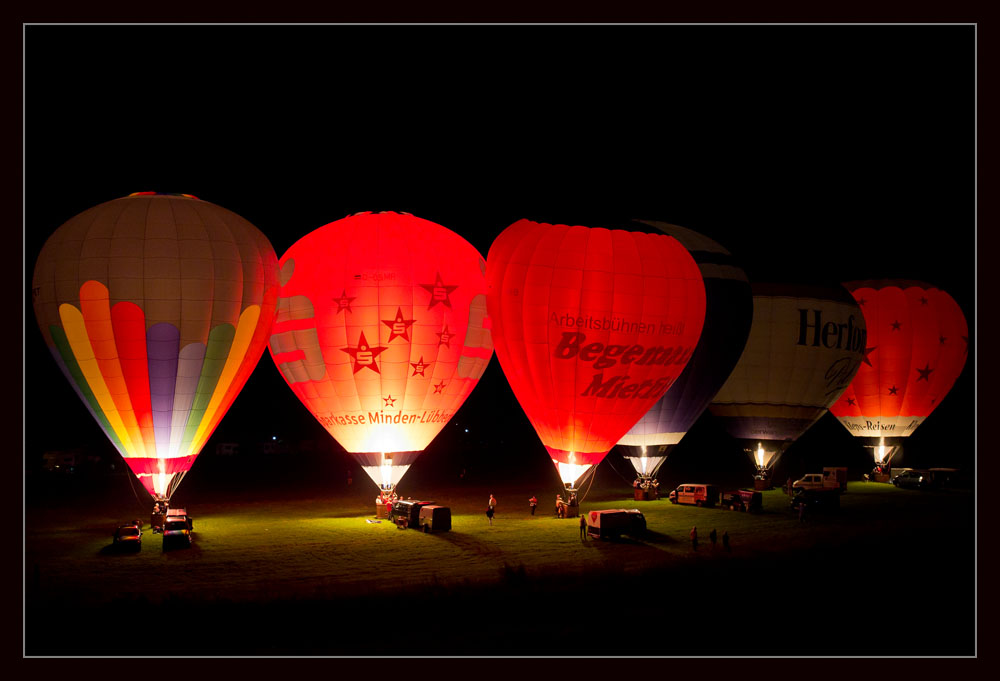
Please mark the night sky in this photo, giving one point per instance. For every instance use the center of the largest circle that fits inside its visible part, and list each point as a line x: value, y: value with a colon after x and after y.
x: 814, y: 154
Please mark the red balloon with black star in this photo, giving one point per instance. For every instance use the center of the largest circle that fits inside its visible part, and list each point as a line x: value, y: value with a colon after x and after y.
x: 918, y: 342
x: 381, y: 330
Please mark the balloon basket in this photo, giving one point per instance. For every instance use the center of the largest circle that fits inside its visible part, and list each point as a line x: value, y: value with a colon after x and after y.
x: 762, y: 484
x: 646, y: 495
x: 381, y: 511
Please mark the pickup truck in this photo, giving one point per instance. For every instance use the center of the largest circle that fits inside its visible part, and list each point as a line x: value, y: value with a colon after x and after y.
x: 830, y: 478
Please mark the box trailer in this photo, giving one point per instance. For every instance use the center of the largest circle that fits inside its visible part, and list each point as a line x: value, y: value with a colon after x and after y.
x: 434, y: 518
x: 613, y: 523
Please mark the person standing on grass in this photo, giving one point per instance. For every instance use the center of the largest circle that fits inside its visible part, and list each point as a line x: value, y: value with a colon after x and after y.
x: 694, y: 537
x: 725, y: 540
x: 711, y: 537
x: 532, y: 502
x: 583, y: 526
x: 493, y: 502
x: 489, y: 514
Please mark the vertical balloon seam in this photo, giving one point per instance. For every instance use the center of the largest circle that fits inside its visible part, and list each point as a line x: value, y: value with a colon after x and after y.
x: 500, y: 308
x: 551, y: 262
x: 216, y: 350
x: 193, y: 356
x: 63, y: 354
x: 222, y: 396
x: 514, y: 315
x: 163, y: 343
x: 76, y: 334
x: 95, y: 307
x: 190, y: 361
x: 256, y: 247
x: 126, y: 319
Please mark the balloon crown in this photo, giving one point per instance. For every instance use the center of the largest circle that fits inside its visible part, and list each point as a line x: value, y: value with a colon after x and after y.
x: 378, y: 212
x: 187, y: 196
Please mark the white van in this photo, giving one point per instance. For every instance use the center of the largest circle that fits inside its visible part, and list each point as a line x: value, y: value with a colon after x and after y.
x: 696, y: 494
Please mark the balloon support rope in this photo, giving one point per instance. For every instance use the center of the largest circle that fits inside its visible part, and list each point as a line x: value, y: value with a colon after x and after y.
x: 592, y: 476
x: 128, y: 474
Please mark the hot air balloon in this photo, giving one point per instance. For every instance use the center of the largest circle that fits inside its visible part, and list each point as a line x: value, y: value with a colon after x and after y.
x: 381, y: 331
x: 156, y: 307
x: 804, y: 348
x: 591, y: 326
x: 728, y: 313
x: 918, y: 341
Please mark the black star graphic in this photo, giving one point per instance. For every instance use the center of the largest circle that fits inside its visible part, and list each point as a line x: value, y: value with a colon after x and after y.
x: 925, y: 373
x: 933, y: 400
x: 418, y: 368
x: 850, y: 401
x: 439, y: 292
x: 344, y: 302
x: 399, y: 327
x: 438, y: 388
x: 966, y: 339
x: 861, y: 301
x: 895, y: 325
x: 389, y: 401
x: 445, y: 337
x: 892, y: 390
x: 364, y: 355
x: 868, y: 351
x: 923, y: 301
x: 942, y: 339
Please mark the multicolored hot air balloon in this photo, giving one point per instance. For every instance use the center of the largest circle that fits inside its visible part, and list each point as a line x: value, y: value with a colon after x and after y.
x: 805, y: 346
x: 381, y: 331
x: 591, y: 326
x: 156, y: 308
x: 728, y: 313
x: 918, y: 341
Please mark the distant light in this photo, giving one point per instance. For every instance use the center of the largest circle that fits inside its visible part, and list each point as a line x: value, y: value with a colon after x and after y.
x: 274, y: 437
x: 466, y: 430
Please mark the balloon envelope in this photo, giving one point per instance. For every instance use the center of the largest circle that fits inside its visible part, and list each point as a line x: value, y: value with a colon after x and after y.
x: 156, y: 307
x: 591, y: 327
x: 381, y: 331
x: 804, y: 348
x: 918, y: 341
x: 728, y: 313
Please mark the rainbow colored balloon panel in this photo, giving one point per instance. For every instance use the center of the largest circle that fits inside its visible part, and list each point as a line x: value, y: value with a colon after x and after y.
x: 156, y: 308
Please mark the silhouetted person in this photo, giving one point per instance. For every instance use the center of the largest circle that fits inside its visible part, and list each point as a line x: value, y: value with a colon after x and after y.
x: 583, y: 527
x: 694, y: 537
x: 532, y: 503
x: 711, y: 537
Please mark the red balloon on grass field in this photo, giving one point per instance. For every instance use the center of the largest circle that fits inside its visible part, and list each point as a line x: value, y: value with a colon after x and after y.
x: 381, y: 331
x: 591, y: 327
x: 918, y: 341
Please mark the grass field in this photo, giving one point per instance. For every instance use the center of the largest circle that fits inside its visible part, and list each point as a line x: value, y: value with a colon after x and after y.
x: 311, y: 576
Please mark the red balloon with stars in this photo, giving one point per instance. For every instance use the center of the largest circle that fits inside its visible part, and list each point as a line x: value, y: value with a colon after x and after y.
x: 381, y: 331
x: 918, y: 341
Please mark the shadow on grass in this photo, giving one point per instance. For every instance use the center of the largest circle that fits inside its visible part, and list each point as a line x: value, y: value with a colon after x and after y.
x: 117, y: 550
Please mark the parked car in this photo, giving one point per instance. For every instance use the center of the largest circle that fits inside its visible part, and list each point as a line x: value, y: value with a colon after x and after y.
x: 914, y: 479
x: 128, y: 537
x: 176, y: 530
x: 697, y: 494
